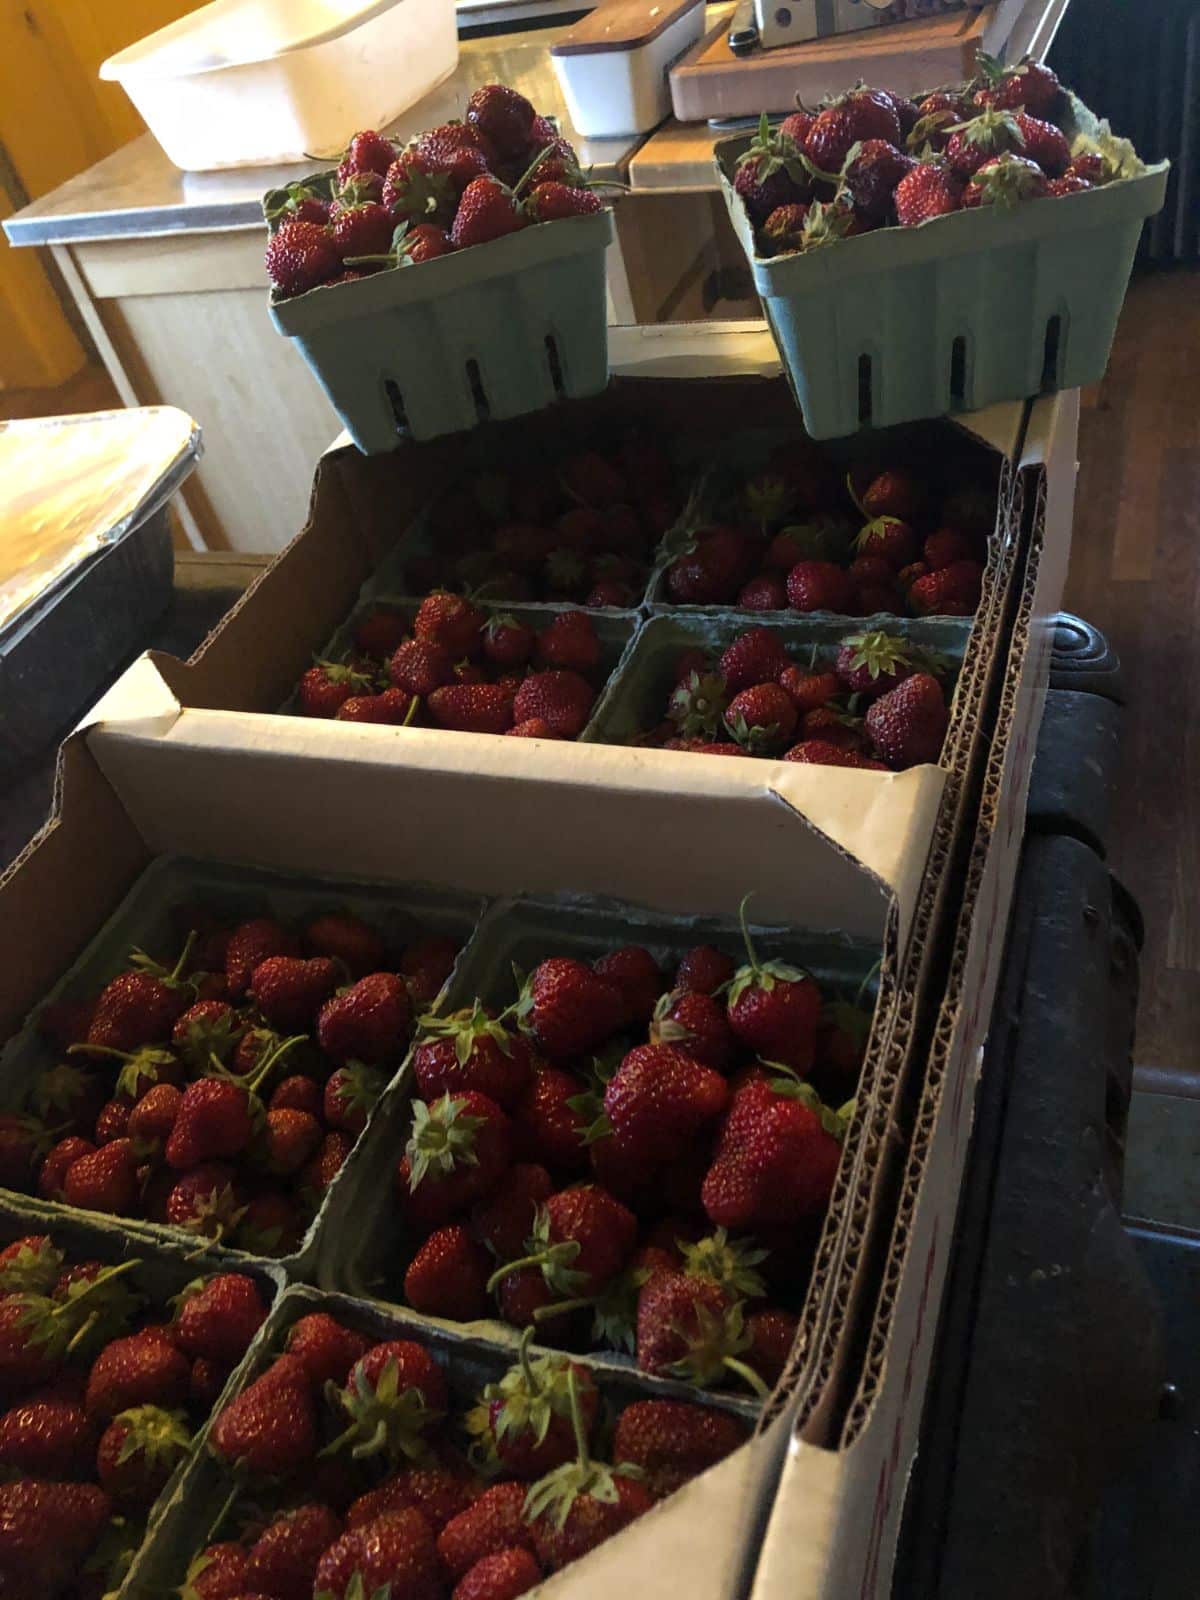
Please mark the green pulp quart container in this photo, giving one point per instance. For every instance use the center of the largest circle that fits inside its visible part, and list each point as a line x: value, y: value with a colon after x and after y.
x: 438, y: 347
x: 959, y: 312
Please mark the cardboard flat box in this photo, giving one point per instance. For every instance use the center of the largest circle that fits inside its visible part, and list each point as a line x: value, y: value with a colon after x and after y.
x: 836, y: 1517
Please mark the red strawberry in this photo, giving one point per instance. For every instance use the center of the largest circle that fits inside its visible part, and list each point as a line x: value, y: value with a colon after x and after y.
x: 636, y: 973
x: 217, y: 1573
x: 761, y: 719
x: 1045, y: 144
x: 872, y: 663
x: 300, y: 256
x: 46, y: 1436
x: 525, y: 1422
x: 581, y: 1239
x: 1069, y: 183
x: 945, y: 547
x: 367, y: 152
x: 981, y: 139
x: 368, y: 1022
x: 459, y: 1149
x: 395, y: 1554
x: 438, y: 1487
x: 410, y: 191
x: 139, y: 1451
x: 327, y: 686
x: 548, y: 1127
x: 818, y: 586
x: 870, y: 174
x: 783, y: 231
x: 450, y: 622
x: 501, y: 117
x: 346, y: 938
x: 552, y: 201
x: 426, y: 964
x: 774, y: 1161
x: 770, y: 173
x: 495, y: 1522
x: 660, y: 1099
x: 250, y: 944
x: 908, y: 725
x: 394, y: 1395
x: 954, y: 590
x: 569, y: 1009
x: 774, y: 1009
x: 485, y: 212
x: 350, y: 1094
x: 670, y: 1441
x: 378, y: 632
x: 326, y: 1348
x: 860, y: 115
x: 891, y: 494
x: 139, y: 1007
x: 1005, y: 181
x: 113, y: 1121
x: 756, y: 656
x: 570, y: 644
x: 1032, y: 85
x: 890, y: 539
x: 809, y: 691
x: 503, y: 1575
x: 448, y: 1276
x: 290, y: 990
x: 563, y: 700
x: 600, y: 1502
x: 772, y: 1335
x: 270, y: 1224
x: 420, y: 666
x: 764, y: 593
x: 152, y: 1121
x: 392, y: 708
x: 696, y: 1024
x: 471, y: 1050
x: 269, y: 1429
x: 282, y: 1562
x: 504, y: 1220
x: 507, y: 642
x: 220, y: 1319
x: 455, y: 149
x: 472, y: 708
x: 47, y: 1531
x: 140, y: 1370
x: 207, y: 1029
x: 212, y: 1121
x: 704, y: 969
x: 106, y: 1181
x: 52, y: 1175
x: 363, y: 229
x: 796, y: 127
x: 204, y: 1201
x: 29, y: 1265
x: 931, y: 189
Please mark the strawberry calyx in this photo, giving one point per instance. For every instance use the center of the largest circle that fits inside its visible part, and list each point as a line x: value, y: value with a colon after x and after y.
x: 32, y: 1271
x: 554, y: 1262
x: 826, y: 223
x: 204, y: 1039
x: 466, y: 1028
x: 95, y: 1308
x: 877, y: 528
x: 384, y: 1417
x: 142, y: 1068
x: 757, y: 740
x: 1006, y: 180
x: 698, y: 704
x: 214, y: 1215
x: 531, y: 1394
x: 173, y: 976
x: 356, y: 1589
x: 714, y: 1346
x: 729, y: 1263
x: 442, y: 1139
x: 919, y: 142
x: 554, y: 1495
x: 359, y: 1087
x: 345, y: 672
x: 991, y: 130
x: 880, y: 653
x: 666, y: 1029
x: 768, y: 497
x: 614, y: 1310
x: 758, y: 974
x: 159, y: 1436
x: 57, y: 1090
x: 294, y: 196
x: 784, y: 1081
x: 772, y: 152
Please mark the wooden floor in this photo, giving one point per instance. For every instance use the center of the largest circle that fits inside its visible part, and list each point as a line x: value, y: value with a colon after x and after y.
x: 1135, y: 574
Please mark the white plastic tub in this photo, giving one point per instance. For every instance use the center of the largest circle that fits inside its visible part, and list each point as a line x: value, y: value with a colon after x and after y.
x: 613, y: 64
x: 244, y: 83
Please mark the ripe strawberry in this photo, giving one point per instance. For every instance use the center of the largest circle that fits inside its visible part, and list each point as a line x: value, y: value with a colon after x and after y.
x: 448, y: 1276
x: 931, y: 189
x: 207, y: 1029
x: 343, y: 937
x: 569, y: 1009
x: 392, y: 708
x: 764, y: 593
x: 937, y: 114
x: 420, y: 666
x: 212, y: 1121
x: 1045, y: 144
x: 503, y: 1575
x: 796, y: 127
x: 501, y: 117
x: 369, y: 1022
x: 350, y: 1096
x: 140, y: 1006
x: 570, y: 644
x: 600, y: 1504
x: 451, y: 622
x: 363, y: 229
x: 282, y: 1562
x: 891, y: 494
x: 549, y: 1127
x: 29, y: 1265
x: 367, y: 152
x: 249, y: 945
x: 1069, y: 183
x: 888, y: 538
x: 290, y: 990
x: 945, y: 547
x: 472, y: 708
x: 439, y: 1486
x: 954, y: 590
x: 908, y: 724
x: 139, y: 1451
x: 326, y: 1348
x: 495, y: 1522
x: 638, y: 976
x: 486, y: 211
x: 46, y: 1436
x: 1032, y: 85
x: 395, y: 1393
x: 112, y: 1121
x: 872, y: 663
x: 551, y: 201
x: 139, y: 1370
x: 563, y: 700
x: 394, y: 1554
x: 1006, y: 181
x: 581, y: 1239
x: 507, y: 642
x: 106, y: 1181
x: 704, y: 969
x: 205, y: 1201
x: 695, y: 1023
x: 660, y: 1099
x: 47, y: 1531
x: 52, y: 1174
x: 756, y: 656
x: 270, y: 1224
x: 670, y: 1441
x: 328, y: 685
x: 818, y: 586
x: 524, y: 1423
x: 761, y: 719
x: 379, y: 632
x: 774, y: 1161
x: 504, y: 1220
x: 770, y: 174
x: 152, y: 1121
x: 982, y: 139
x: 471, y: 1050
x: 219, y: 1320
x: 862, y: 114
x: 531, y: 728
x: 774, y: 1008
x: 269, y: 1429
x: 772, y: 1334
x: 783, y: 231
x: 459, y: 1149
x: 301, y: 256
x: 707, y: 573
x: 410, y: 191
x: 871, y: 171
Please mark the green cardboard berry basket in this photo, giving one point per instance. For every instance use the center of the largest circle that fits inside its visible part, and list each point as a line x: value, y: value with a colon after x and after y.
x: 959, y: 312
x: 143, y: 919
x: 206, y: 1506
x: 490, y: 332
x: 368, y: 1262
x: 160, y: 1272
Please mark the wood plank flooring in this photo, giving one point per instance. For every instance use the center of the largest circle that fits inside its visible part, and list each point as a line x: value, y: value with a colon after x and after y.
x: 1135, y: 574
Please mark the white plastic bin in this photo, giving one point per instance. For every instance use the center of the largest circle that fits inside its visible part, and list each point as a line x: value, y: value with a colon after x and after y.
x: 613, y: 64
x: 243, y: 83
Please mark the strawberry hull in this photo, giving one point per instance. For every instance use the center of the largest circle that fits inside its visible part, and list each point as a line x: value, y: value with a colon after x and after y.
x: 962, y: 311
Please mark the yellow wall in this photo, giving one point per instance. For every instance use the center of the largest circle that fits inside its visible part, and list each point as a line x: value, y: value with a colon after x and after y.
x: 56, y: 118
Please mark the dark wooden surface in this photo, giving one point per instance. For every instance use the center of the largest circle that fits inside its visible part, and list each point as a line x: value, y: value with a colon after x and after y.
x: 1135, y: 574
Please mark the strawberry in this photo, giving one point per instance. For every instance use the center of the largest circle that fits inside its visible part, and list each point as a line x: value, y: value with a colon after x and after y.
x: 568, y: 1009
x: 47, y: 1531
x: 863, y: 114
x: 774, y: 1008
x: 931, y: 189
x: 563, y: 700
x: 908, y: 724
x: 106, y: 1181
x: 1069, y: 183
x: 207, y: 1029
x: 112, y: 1121
x: 327, y: 685
x: 984, y: 137
x: 46, y: 1436
x: 454, y: 149
x: 501, y: 117
x: 954, y: 590
x: 486, y: 211
x: 670, y: 1441
x: 300, y: 256
x: 770, y: 174
x: 450, y: 622
x: 151, y: 1122
x: 1032, y: 85
x: 504, y: 1220
x: 888, y: 538
x: 363, y: 229
x: 761, y: 719
x: 581, y: 1239
x: 503, y: 1575
x: 391, y: 708
x: 872, y: 663
x: 697, y: 705
x: 870, y: 173
x: 249, y: 945
x: 369, y: 1022
x: 394, y: 1554
x: 495, y: 1522
x: 290, y: 990
x: 783, y: 231
x: 343, y: 937
x: 396, y: 1392
x: 524, y: 1422
x: 507, y: 642
x: 52, y: 1174
x: 219, y: 1320
x: 774, y: 1162
x: 213, y: 1120
x: 302, y: 203
x: 660, y: 1099
x: 420, y: 666
x: 269, y: 1429
x: 378, y: 632
x: 945, y: 547
x: 796, y: 127
x: 772, y: 1334
x: 459, y: 1149
x: 326, y: 1348
x: 217, y: 1573
x: 532, y: 728
x: 139, y: 1370
x: 570, y: 644
x: 409, y: 191
x: 687, y: 1326
x: 140, y: 1006
x: 703, y: 969
x: 471, y: 1050
x: 818, y: 586
x: 270, y: 1223
x: 891, y: 494
x: 764, y: 593
x: 283, y: 1560
x: 139, y: 1451
x: 439, y: 1487
x: 697, y: 1025
x: 472, y: 708
x: 1006, y: 181
x: 548, y: 1127
x: 552, y: 201
x: 448, y: 1276
x: 349, y: 1097
x: 29, y: 1265
x: 576, y: 1513
x: 367, y: 152
x: 1045, y: 144
x: 637, y: 975
x: 756, y: 656
x: 205, y: 1201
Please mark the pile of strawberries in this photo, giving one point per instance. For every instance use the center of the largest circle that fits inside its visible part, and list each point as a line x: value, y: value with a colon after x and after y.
x: 454, y: 186
x: 798, y: 536
x: 222, y: 1095
x: 628, y: 1159
x: 873, y: 159
x: 102, y: 1393
x: 463, y: 669
x: 580, y: 527
x: 368, y: 1475
x: 878, y: 704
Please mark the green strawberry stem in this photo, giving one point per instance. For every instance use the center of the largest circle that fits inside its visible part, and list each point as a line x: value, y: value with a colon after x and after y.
x: 560, y: 1308
x: 72, y: 1304
x: 750, y: 955
x: 527, y: 1371
x: 577, y: 1428
x: 269, y: 1062
x: 749, y: 1375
